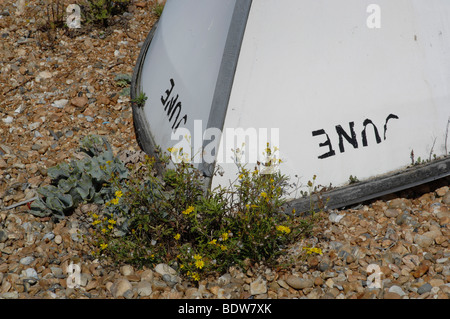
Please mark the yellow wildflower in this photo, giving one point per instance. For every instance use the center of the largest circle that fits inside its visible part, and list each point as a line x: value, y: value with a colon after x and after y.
x: 103, y: 246
x: 283, y: 229
x: 224, y: 236
x: 223, y: 247
x: 195, y: 276
x: 310, y: 250
x: 263, y: 194
x: 189, y: 210
x: 213, y: 242
x: 118, y: 194
x: 199, y: 264
x: 108, y: 162
x: 112, y: 221
x: 95, y: 216
x: 197, y: 257
x: 96, y: 222
x: 110, y: 227
x: 177, y: 236
x: 115, y: 201
x: 104, y: 230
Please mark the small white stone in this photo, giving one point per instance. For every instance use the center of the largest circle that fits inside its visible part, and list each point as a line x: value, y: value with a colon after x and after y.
x: 127, y: 270
x: 144, y: 288
x: 258, y: 287
x: 27, y: 260
x: 8, y: 119
x: 60, y: 103
x: 58, y: 239
x: 335, y: 218
x: 31, y: 273
x: 398, y: 290
x: 120, y: 287
x: 164, y: 269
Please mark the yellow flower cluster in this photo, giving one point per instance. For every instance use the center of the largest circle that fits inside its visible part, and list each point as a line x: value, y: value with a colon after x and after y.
x: 222, y: 238
x: 111, y: 223
x: 283, y: 229
x: 178, y: 155
x: 115, y: 200
x: 108, y: 224
x: 188, y: 210
x: 311, y: 250
x: 194, y: 275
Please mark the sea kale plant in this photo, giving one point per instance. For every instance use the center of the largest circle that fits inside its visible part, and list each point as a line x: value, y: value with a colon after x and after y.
x: 80, y: 181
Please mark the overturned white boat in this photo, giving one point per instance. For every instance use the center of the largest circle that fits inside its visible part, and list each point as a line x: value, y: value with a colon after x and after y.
x: 341, y: 90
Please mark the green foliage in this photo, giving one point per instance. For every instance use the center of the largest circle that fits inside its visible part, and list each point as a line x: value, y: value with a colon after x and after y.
x: 158, y: 9
x: 123, y: 81
x: 85, y: 180
x: 140, y: 100
x: 174, y: 219
x: 100, y: 11
x: 353, y: 179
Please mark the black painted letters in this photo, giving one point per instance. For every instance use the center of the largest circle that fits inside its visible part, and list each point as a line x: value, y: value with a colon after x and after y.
x: 350, y: 136
x: 173, y: 105
x: 331, y: 152
x: 341, y: 133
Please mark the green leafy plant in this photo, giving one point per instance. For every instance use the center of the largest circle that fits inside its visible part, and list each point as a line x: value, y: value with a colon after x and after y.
x: 158, y: 9
x: 174, y: 219
x: 85, y: 180
x: 100, y: 11
x: 353, y: 179
x: 123, y: 81
x: 140, y: 99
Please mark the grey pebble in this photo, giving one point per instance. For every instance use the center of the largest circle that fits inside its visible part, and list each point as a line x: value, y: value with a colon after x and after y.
x: 424, y: 288
x: 48, y: 236
x: 27, y: 260
x: 3, y: 236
